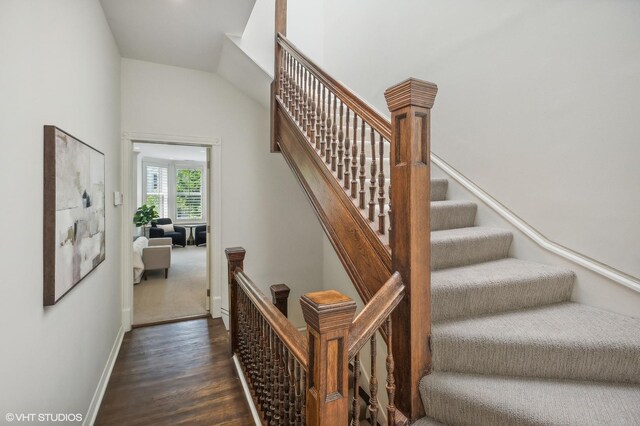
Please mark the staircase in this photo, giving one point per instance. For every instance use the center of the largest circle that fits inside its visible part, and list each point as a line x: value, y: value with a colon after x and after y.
x: 473, y: 336
x: 509, y: 348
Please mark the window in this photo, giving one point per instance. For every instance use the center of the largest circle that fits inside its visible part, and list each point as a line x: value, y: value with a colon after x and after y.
x: 176, y: 189
x: 157, y: 188
x: 188, y: 194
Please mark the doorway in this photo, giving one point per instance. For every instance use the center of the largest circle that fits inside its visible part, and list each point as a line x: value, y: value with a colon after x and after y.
x: 170, y: 272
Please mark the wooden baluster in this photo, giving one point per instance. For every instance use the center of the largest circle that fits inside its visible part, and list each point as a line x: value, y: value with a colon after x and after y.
x: 292, y: 86
x: 312, y: 112
x: 303, y: 399
x: 286, y: 77
x: 276, y: 379
x: 305, y: 105
x: 265, y: 365
x: 280, y: 26
x: 390, y: 229
x: 373, y: 385
x: 410, y: 104
x: 284, y: 398
x: 281, y: 77
x: 381, y: 185
x: 340, y: 146
x: 252, y: 346
x: 286, y: 419
x: 268, y: 378
x: 323, y: 127
x: 347, y: 153
x: 256, y: 345
x: 334, y: 136
x: 354, y: 159
x: 292, y: 390
x: 275, y: 385
x: 300, y: 95
x: 299, y: 391
x: 391, y: 381
x: 327, y: 149
x: 296, y: 93
x: 258, y: 388
x: 362, y: 176
x: 328, y: 315
x: 309, y: 108
x: 372, y: 182
x: 318, y: 109
x: 355, y: 404
x: 235, y: 261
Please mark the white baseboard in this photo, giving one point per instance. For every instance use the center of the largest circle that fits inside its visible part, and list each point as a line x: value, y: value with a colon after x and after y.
x: 224, y: 313
x: 247, y: 392
x: 90, y: 418
x: 216, y: 307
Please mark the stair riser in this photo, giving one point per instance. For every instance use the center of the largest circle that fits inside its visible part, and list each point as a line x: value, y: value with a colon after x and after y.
x: 534, y: 359
x: 453, y: 253
x: 461, y: 302
x: 452, y: 216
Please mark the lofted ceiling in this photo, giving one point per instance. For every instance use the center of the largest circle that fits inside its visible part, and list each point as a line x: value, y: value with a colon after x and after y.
x: 183, y: 33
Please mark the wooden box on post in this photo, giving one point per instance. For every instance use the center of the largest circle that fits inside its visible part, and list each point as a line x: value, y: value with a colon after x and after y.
x: 328, y: 315
x: 410, y: 104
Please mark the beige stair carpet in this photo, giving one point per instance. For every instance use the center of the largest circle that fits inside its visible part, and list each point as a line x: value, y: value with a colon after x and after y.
x: 509, y: 347
x: 182, y: 294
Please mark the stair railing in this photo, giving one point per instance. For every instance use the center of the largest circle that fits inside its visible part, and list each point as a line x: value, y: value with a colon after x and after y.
x: 298, y: 379
x: 368, y: 179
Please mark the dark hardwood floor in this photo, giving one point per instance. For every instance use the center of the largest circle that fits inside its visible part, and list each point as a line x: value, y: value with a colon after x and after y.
x: 174, y: 374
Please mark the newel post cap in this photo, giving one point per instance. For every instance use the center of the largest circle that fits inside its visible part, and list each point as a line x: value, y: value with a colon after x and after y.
x: 327, y: 310
x: 235, y: 254
x: 280, y: 291
x: 411, y: 92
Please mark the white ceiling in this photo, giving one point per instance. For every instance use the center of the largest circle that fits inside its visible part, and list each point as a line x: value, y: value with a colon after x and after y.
x: 183, y: 33
x: 171, y: 152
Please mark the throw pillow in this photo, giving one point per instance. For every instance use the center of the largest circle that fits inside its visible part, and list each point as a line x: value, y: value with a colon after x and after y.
x: 167, y: 228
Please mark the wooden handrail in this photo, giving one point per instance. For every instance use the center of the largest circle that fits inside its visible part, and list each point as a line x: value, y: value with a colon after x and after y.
x: 379, y: 122
x: 295, y: 341
x: 375, y: 313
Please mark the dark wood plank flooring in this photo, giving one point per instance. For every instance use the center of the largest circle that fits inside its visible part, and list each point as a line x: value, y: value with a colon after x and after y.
x: 175, y: 374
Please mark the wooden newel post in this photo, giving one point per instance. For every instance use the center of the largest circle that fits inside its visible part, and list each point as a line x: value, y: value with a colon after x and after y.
x: 235, y: 260
x: 328, y: 315
x: 280, y: 27
x: 410, y: 104
x: 280, y: 297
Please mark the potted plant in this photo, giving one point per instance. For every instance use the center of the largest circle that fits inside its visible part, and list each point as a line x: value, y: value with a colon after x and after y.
x: 143, y: 216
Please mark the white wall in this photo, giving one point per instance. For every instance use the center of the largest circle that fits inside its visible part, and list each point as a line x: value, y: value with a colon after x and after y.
x: 304, y: 29
x: 537, y: 103
x: 263, y: 208
x: 60, y: 66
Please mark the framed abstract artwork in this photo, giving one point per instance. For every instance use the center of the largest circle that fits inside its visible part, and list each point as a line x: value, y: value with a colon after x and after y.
x: 74, y: 212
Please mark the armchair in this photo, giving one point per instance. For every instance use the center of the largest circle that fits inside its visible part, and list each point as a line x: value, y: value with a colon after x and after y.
x: 201, y: 235
x: 178, y: 236
x: 157, y: 255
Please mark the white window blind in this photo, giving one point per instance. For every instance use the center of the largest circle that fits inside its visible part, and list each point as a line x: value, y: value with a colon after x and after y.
x: 157, y: 188
x: 189, y: 193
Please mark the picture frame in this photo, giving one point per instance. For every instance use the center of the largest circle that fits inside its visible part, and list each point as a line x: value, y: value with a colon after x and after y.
x: 74, y: 218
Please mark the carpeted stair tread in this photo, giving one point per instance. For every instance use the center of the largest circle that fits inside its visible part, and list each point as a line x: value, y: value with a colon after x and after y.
x: 497, y: 286
x: 427, y: 421
x: 477, y: 400
x: 564, y: 340
x: 439, y: 189
x: 466, y: 246
x: 451, y: 214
